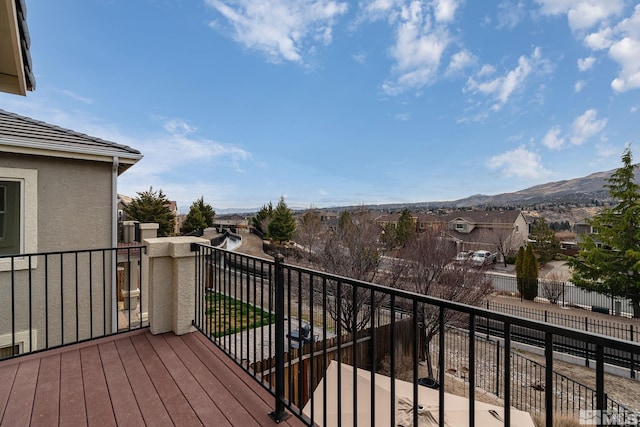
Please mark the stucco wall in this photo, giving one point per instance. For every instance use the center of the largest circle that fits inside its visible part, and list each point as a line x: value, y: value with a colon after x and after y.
x: 74, y: 212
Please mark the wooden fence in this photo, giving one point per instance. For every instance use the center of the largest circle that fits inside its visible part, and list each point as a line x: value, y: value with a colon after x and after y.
x: 305, y: 367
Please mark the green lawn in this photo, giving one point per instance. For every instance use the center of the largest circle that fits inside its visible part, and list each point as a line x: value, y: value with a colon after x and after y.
x: 228, y: 315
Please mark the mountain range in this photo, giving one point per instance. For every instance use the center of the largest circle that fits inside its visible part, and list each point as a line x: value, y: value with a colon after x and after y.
x: 583, y: 191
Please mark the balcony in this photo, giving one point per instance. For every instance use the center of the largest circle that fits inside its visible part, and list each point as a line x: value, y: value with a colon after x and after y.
x: 215, y: 337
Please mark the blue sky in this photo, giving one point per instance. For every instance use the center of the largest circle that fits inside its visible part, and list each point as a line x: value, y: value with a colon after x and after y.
x: 331, y: 103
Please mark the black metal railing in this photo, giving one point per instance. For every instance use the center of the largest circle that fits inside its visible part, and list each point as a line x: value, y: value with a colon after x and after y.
x: 330, y: 348
x: 565, y: 294
x: 52, y: 299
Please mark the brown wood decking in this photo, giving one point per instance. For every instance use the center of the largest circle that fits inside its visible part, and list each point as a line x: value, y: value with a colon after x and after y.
x: 133, y: 379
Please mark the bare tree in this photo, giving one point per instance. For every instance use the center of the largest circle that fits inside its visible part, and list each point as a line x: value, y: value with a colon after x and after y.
x: 352, y: 252
x: 426, y: 269
x: 553, y: 287
x: 308, y: 233
x: 504, y: 239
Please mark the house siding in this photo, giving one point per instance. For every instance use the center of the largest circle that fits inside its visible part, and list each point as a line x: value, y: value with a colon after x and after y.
x: 74, y: 213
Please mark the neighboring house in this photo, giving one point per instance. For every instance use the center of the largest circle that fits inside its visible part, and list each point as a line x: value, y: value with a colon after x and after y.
x: 57, y: 193
x: 582, y: 227
x: 16, y: 74
x: 422, y: 221
x: 235, y: 221
x: 474, y: 230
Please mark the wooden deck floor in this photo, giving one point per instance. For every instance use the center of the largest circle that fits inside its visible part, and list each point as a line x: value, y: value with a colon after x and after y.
x: 130, y: 380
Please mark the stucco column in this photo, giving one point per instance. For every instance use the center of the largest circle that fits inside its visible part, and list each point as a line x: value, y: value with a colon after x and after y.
x: 147, y: 231
x: 169, y: 266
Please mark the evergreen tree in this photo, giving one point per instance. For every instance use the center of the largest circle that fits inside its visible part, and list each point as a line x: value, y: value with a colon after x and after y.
x: 609, y: 261
x: 207, y: 211
x: 263, y: 217
x: 151, y: 206
x: 405, y: 229
x: 545, y: 244
x: 283, y: 224
x: 344, y: 222
x: 195, y: 220
x: 529, y: 289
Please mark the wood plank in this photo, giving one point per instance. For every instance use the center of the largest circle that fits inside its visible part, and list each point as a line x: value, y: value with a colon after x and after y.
x: 20, y: 404
x: 208, y: 412
x: 98, y: 402
x: 7, y: 377
x: 152, y: 408
x: 46, y: 406
x: 72, y: 402
x: 233, y: 409
x: 179, y: 409
x: 123, y: 401
x: 73, y: 410
x: 236, y: 380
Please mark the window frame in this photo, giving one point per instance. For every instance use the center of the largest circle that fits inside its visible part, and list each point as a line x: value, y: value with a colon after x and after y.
x: 28, y: 179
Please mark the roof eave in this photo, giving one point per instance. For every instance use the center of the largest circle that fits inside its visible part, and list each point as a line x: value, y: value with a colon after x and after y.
x: 16, y: 76
x: 125, y: 158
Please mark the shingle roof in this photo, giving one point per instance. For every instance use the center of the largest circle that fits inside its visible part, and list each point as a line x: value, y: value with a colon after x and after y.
x: 486, y: 217
x: 19, y: 134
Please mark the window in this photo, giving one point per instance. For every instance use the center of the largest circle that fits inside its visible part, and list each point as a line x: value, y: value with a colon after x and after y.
x: 460, y: 226
x: 10, y: 217
x: 18, y: 216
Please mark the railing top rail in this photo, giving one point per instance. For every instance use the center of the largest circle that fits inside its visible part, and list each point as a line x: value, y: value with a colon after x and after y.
x: 585, y: 336
x: 34, y: 254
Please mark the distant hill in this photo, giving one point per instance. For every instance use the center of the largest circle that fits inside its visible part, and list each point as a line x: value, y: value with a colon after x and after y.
x: 577, y: 191
x: 580, y: 192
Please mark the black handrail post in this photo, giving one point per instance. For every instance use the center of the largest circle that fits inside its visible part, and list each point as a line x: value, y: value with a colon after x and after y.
x: 279, y: 414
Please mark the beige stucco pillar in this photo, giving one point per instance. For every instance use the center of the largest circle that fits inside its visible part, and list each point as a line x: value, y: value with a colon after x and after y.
x: 147, y: 231
x: 170, y: 266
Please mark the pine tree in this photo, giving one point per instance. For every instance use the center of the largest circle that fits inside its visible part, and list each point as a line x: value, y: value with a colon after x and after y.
x: 283, y: 224
x: 195, y: 219
x: 545, y: 244
x: 519, y: 271
x: 609, y: 261
x: 263, y: 217
x: 405, y: 229
x: 207, y: 211
x: 151, y: 206
x: 529, y: 289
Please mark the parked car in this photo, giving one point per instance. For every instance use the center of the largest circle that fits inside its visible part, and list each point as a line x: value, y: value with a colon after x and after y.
x: 481, y: 258
x: 463, y: 257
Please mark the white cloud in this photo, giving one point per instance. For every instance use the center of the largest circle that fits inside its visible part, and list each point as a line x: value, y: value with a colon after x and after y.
x: 586, y: 63
x: 460, y: 61
x: 601, y: 39
x: 520, y: 163
x: 622, y: 40
x: 580, y: 84
x: 360, y: 57
x: 626, y: 52
x: 486, y: 70
x: 582, y: 14
x: 283, y: 30
x: 500, y: 88
x: 445, y: 10
x: 586, y: 126
x: 510, y: 14
x: 552, y: 140
x: 418, y: 50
